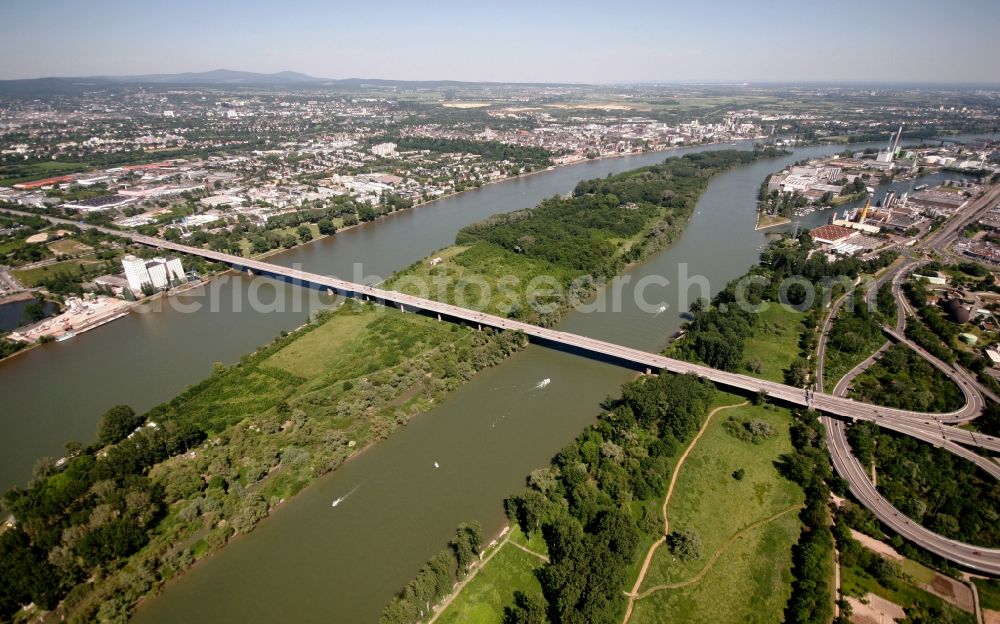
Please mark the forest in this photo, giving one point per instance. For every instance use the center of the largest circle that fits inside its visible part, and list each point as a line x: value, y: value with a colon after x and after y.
x: 489, y: 150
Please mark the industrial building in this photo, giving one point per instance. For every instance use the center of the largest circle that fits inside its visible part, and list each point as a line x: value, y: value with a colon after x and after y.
x: 158, y: 272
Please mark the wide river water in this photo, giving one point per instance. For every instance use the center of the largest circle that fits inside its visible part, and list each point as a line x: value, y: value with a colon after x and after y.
x: 309, y: 561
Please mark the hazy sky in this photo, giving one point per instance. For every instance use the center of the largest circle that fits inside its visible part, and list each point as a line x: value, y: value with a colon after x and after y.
x: 509, y: 40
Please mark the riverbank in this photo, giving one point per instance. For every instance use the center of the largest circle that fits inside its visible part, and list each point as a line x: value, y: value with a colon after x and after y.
x: 765, y: 221
x: 336, y: 555
x: 262, y: 379
x: 291, y: 412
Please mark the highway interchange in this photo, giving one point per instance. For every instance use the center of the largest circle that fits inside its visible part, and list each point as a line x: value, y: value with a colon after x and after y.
x: 928, y: 430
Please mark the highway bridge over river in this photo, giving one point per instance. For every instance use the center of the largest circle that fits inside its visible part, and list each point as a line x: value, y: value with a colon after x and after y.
x: 929, y: 427
x: 634, y: 358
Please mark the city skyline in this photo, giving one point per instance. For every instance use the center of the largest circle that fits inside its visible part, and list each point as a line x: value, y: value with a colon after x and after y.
x: 641, y: 43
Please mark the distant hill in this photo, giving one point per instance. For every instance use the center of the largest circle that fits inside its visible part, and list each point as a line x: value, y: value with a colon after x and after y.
x: 217, y: 77
x: 228, y: 78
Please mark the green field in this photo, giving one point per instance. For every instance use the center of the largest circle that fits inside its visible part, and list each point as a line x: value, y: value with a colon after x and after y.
x: 775, y: 341
x: 989, y: 593
x: 749, y: 582
x: 481, y: 276
x: 34, y: 277
x: 16, y: 174
x: 482, y: 601
x: 310, y: 355
x: 737, y: 520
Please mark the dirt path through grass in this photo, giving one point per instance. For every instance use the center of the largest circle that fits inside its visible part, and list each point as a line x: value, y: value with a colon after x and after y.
x: 666, y: 520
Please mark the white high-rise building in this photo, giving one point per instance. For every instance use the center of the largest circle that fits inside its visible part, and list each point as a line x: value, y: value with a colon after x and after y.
x: 384, y: 149
x: 135, y: 272
x: 157, y: 268
x: 175, y: 272
x: 158, y: 272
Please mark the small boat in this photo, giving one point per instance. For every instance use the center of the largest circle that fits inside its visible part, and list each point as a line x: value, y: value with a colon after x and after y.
x: 543, y: 383
x: 65, y: 337
x: 920, y: 187
x: 338, y: 501
x: 662, y: 308
x: 436, y: 465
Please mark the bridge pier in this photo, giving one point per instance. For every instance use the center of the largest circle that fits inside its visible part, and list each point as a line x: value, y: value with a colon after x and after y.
x: 439, y: 317
x: 649, y: 371
x: 479, y: 326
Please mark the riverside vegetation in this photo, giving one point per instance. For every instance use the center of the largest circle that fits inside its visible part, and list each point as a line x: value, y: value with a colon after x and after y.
x: 726, y: 336
x: 112, y: 522
x: 122, y: 516
x: 531, y: 265
x: 595, y: 510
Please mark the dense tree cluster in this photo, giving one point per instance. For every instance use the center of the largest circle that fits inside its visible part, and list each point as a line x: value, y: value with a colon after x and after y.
x: 855, y: 329
x: 489, y: 150
x: 84, y: 517
x: 436, y: 579
x: 749, y: 430
x: 809, y: 466
x: 902, y: 378
x: 581, y: 502
x: 935, y: 488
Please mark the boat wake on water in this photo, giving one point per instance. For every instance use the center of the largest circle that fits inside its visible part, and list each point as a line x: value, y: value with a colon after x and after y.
x: 338, y: 501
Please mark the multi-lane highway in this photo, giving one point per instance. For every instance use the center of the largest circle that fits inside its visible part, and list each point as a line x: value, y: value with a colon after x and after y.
x: 929, y: 430
x: 847, y: 466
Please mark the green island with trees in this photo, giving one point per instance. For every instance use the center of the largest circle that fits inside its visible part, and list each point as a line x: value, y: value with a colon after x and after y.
x: 581, y: 528
x: 116, y: 519
x: 111, y: 522
x: 535, y: 263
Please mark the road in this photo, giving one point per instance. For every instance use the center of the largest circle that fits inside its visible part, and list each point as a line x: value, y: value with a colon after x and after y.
x: 848, y: 466
x: 922, y: 425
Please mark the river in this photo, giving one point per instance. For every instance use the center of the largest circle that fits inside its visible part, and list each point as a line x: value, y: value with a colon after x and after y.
x: 311, y: 562
x: 55, y: 393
